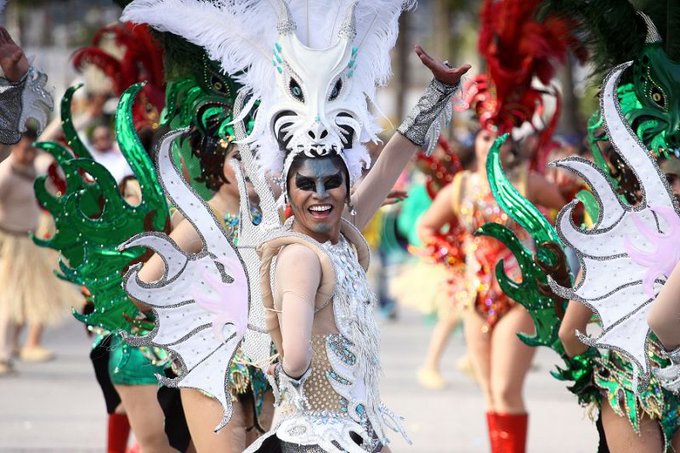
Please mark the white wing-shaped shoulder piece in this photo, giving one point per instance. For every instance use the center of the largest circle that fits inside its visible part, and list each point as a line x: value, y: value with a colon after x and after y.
x: 627, y: 255
x: 201, y: 302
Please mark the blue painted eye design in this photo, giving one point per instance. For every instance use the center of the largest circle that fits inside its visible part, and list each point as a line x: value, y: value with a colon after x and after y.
x: 296, y: 90
x: 336, y: 90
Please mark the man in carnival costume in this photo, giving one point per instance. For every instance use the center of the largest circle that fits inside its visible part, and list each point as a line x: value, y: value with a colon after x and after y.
x: 312, y: 67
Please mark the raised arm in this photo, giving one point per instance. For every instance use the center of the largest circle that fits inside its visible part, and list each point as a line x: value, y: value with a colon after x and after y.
x: 411, y: 136
x: 15, y: 67
x: 297, y: 277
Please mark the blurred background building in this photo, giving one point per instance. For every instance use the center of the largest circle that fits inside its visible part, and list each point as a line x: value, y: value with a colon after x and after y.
x: 51, y: 30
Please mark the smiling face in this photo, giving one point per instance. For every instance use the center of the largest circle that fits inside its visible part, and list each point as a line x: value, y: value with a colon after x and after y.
x: 317, y: 190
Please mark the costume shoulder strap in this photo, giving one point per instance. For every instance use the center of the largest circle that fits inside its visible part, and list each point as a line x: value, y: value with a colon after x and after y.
x: 354, y: 236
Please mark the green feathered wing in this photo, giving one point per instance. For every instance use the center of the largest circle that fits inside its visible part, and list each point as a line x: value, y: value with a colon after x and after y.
x: 533, y: 292
x: 92, y: 218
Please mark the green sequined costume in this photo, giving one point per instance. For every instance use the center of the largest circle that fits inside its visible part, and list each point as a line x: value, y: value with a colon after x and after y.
x: 615, y: 378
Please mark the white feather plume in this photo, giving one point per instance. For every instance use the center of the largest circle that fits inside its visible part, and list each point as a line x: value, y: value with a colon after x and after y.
x: 241, y: 34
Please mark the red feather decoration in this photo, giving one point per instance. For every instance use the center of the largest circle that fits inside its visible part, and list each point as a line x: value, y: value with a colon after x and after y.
x: 518, y: 48
x: 142, y: 61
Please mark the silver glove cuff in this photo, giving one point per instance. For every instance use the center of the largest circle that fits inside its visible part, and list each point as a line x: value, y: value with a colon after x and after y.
x: 433, y: 111
x: 669, y: 377
x: 10, y: 110
x: 291, y: 388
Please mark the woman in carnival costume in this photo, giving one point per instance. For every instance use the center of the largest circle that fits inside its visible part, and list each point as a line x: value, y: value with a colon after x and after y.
x: 500, y: 360
x: 310, y: 122
x: 502, y: 99
x: 622, y: 255
x: 638, y: 413
x: 435, y: 283
x: 200, y: 97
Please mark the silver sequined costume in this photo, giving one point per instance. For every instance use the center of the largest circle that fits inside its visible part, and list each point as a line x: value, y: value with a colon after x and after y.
x: 336, y: 402
x: 20, y: 101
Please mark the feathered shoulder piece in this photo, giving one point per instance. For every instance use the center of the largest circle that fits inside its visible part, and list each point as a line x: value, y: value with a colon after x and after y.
x: 142, y: 61
x: 311, y: 64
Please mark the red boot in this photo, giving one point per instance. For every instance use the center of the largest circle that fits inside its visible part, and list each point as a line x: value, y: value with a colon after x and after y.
x: 119, y: 430
x: 511, y: 432
x: 493, y: 430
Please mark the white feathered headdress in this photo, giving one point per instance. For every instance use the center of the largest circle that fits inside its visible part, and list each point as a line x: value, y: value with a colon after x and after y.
x: 313, y: 65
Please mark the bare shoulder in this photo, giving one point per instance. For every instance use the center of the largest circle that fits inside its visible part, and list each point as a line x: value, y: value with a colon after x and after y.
x: 298, y: 255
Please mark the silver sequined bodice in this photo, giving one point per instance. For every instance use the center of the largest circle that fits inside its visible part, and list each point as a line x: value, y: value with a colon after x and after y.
x: 339, y: 393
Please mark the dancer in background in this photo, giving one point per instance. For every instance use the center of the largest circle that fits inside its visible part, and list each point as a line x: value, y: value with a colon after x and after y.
x: 518, y: 48
x: 492, y: 321
x: 30, y: 294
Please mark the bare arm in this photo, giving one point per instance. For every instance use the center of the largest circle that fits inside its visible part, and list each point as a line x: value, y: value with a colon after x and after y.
x: 576, y: 318
x: 438, y: 214
x: 186, y: 238
x: 372, y: 191
x: 542, y: 192
x: 377, y: 184
x: 298, y: 275
x: 664, y: 316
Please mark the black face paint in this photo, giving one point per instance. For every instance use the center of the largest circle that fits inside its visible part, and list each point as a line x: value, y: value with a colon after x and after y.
x: 317, y: 197
x: 319, y: 183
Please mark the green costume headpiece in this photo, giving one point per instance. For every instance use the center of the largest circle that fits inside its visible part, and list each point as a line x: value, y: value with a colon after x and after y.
x: 201, y: 98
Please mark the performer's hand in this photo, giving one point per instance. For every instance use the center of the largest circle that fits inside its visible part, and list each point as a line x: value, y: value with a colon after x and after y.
x: 13, y: 61
x: 442, y: 72
x: 394, y: 197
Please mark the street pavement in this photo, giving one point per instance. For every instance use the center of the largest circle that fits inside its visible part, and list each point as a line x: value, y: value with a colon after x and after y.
x: 58, y: 407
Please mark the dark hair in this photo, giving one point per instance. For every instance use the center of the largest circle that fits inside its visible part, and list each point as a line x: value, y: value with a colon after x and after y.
x: 146, y: 138
x: 123, y: 182
x: 31, y: 134
x: 211, y: 152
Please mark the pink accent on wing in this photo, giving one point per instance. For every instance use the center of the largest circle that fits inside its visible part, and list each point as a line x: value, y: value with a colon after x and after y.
x: 664, y: 253
x: 230, y: 304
